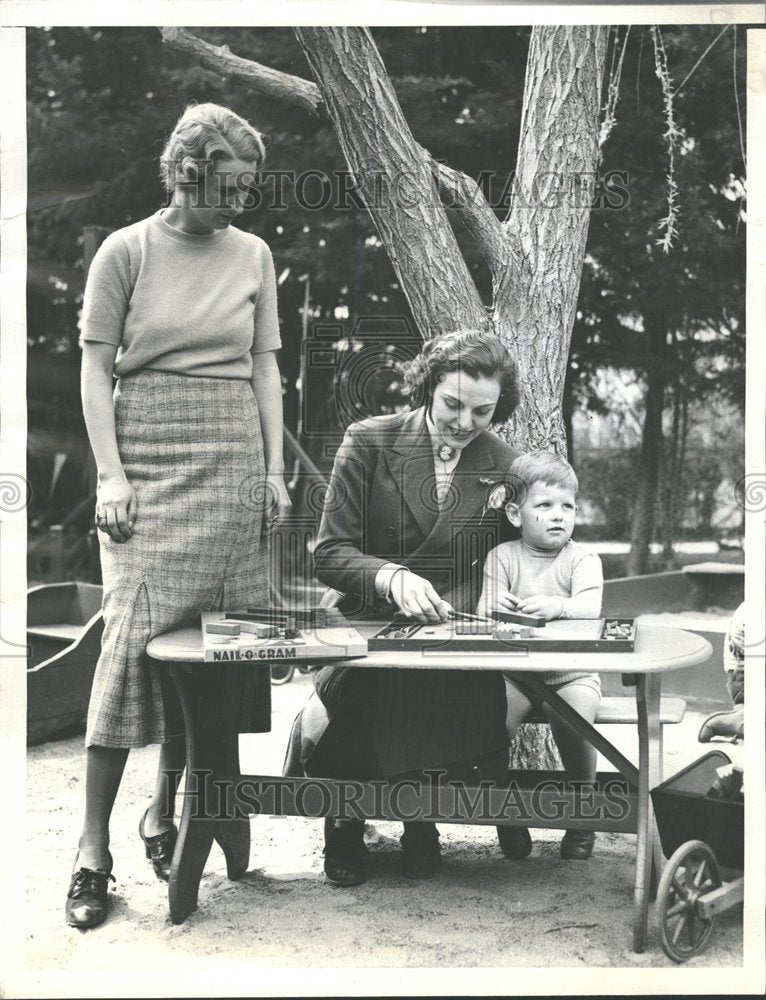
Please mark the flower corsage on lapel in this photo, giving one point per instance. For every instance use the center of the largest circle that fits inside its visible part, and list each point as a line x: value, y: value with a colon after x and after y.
x: 497, y: 495
x: 501, y: 493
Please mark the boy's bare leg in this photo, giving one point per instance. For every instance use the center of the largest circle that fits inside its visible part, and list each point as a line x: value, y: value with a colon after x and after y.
x: 579, y: 759
x: 577, y: 755
x: 518, y: 707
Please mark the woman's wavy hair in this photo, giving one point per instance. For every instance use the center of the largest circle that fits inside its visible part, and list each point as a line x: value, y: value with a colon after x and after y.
x: 206, y: 133
x: 471, y: 351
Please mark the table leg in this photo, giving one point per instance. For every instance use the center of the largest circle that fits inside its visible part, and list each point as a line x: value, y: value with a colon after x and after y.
x: 649, y: 775
x: 212, y: 704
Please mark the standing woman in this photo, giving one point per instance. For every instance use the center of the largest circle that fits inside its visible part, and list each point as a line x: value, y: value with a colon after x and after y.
x: 182, y: 309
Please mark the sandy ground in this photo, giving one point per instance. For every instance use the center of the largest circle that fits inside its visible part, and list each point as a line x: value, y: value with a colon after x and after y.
x: 480, y: 911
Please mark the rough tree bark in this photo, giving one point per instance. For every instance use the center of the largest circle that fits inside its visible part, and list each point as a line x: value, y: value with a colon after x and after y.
x: 535, y: 255
x: 536, y: 294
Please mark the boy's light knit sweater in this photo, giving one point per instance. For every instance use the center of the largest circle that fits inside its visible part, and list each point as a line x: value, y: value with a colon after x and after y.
x: 572, y: 573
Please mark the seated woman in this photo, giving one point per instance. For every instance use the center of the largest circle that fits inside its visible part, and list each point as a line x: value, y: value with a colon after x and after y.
x: 406, y: 528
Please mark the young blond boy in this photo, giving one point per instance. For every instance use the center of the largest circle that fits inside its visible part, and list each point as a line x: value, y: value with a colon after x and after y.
x: 545, y: 573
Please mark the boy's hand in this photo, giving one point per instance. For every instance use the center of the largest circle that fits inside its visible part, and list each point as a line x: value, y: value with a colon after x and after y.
x: 547, y: 607
x: 503, y: 600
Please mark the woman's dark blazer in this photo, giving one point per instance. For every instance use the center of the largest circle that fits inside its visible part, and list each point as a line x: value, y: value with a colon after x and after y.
x: 381, y: 508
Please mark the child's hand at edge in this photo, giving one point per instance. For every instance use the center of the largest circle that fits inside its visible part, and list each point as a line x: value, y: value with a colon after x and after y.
x: 503, y: 600
x: 547, y: 607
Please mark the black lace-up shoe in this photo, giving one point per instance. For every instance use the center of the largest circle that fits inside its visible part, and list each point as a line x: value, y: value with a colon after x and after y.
x: 86, y: 901
x: 515, y: 842
x: 421, y: 853
x: 345, y: 854
x: 577, y: 845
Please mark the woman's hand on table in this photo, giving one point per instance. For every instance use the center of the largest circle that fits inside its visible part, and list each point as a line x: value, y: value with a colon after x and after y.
x: 278, y: 501
x: 116, y: 507
x: 416, y: 598
x: 547, y: 607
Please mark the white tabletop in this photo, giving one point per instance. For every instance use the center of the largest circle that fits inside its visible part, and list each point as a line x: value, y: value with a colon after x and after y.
x: 657, y: 648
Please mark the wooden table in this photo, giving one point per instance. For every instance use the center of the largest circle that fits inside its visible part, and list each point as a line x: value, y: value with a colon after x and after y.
x: 211, y: 697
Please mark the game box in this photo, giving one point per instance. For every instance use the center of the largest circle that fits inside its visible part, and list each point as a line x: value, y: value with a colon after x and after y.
x: 596, y: 635
x: 265, y: 635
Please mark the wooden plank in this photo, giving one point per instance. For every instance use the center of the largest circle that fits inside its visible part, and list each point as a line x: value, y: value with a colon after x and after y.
x: 64, y: 632
x: 715, y: 569
x: 623, y: 712
x: 551, y: 803
x: 725, y: 897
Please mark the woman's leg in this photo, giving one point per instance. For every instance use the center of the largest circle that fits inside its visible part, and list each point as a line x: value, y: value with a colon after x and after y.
x: 159, y: 815
x: 103, y: 772
x: 577, y: 755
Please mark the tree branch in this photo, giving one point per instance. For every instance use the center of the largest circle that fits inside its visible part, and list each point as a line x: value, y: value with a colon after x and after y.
x: 271, y: 82
x: 393, y: 177
x: 461, y: 192
x: 392, y: 172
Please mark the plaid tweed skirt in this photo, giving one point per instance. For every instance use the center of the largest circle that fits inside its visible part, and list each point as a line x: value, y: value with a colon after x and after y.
x: 192, y: 449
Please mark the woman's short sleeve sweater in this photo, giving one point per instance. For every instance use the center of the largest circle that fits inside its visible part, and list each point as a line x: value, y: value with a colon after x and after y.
x: 176, y: 302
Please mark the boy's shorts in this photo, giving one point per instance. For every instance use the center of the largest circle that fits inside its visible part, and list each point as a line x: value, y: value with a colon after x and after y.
x: 584, y: 679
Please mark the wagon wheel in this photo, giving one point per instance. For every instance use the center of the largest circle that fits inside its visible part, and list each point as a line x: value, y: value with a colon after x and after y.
x: 281, y: 673
x: 691, y: 872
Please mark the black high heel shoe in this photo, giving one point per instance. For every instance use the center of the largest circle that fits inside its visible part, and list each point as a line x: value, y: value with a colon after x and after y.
x: 86, y: 900
x: 159, y: 849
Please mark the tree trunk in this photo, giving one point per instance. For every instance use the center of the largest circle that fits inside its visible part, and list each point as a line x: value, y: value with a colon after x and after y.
x: 673, y: 478
x: 536, y: 296
x: 668, y: 473
x: 642, y: 528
